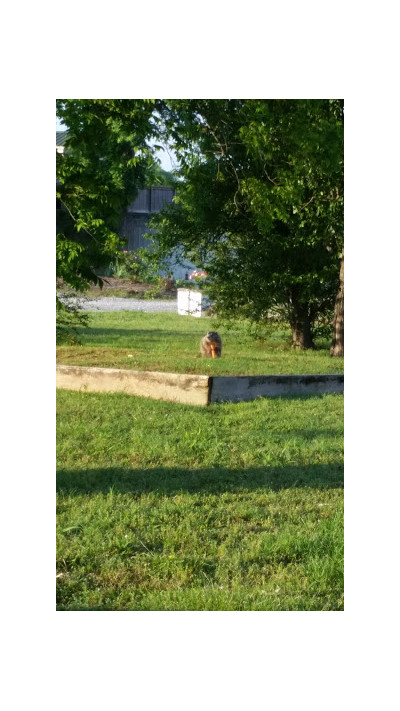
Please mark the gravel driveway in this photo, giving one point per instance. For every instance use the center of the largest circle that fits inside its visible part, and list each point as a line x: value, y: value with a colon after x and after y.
x: 113, y: 303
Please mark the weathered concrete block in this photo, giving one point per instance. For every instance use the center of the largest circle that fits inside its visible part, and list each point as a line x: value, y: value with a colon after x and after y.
x: 192, y: 303
x: 238, y: 388
x: 173, y: 387
x: 194, y: 389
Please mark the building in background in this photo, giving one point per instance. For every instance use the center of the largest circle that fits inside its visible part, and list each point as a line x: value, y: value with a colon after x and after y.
x: 60, y: 141
x: 135, y: 225
x: 137, y: 215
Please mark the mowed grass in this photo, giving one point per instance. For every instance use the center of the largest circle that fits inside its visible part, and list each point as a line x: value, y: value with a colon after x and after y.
x: 168, y: 342
x: 171, y: 507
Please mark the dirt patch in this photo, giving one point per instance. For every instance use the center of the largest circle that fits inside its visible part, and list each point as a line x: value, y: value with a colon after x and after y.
x: 113, y: 286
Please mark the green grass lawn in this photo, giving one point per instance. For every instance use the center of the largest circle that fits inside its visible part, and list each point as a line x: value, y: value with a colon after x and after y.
x: 170, y: 343
x: 171, y: 507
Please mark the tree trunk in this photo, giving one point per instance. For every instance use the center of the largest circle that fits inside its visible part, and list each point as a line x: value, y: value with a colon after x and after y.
x: 301, y: 331
x: 337, y: 347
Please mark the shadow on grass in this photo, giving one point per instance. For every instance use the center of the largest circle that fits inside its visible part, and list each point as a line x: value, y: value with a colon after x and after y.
x: 206, y: 481
x: 307, y: 435
x: 105, y: 332
x: 126, y: 338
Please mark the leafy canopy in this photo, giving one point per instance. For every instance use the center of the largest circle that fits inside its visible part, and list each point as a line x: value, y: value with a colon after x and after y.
x: 261, y: 204
x: 107, y: 158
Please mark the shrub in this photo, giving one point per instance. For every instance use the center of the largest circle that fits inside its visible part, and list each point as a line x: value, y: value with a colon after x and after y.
x: 69, y: 319
x: 160, y: 287
x: 128, y: 266
x: 139, y: 266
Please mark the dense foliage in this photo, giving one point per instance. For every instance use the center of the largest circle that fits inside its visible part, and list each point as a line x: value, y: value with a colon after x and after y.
x: 259, y: 201
x: 107, y: 157
x: 261, y: 205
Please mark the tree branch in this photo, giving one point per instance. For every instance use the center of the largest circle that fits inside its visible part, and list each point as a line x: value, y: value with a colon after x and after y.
x: 75, y: 219
x: 306, y: 203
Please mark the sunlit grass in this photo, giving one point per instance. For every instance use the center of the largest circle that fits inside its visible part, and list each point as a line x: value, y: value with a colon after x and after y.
x: 172, y: 507
x: 170, y: 343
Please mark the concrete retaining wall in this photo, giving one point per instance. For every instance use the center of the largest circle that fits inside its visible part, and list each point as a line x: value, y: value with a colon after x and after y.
x: 174, y: 387
x: 194, y: 389
x: 239, y: 388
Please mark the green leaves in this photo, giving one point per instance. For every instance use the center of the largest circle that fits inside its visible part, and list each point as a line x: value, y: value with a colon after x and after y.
x: 259, y: 204
x: 67, y: 249
x: 106, y: 160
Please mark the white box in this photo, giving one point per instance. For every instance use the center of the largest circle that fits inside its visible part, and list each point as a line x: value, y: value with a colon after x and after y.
x: 192, y: 303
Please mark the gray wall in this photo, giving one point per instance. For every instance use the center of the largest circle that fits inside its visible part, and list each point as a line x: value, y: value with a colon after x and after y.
x: 134, y: 224
x: 132, y: 229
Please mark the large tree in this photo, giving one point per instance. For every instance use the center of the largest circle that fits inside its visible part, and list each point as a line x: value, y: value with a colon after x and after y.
x: 261, y: 205
x: 337, y: 347
x: 107, y: 158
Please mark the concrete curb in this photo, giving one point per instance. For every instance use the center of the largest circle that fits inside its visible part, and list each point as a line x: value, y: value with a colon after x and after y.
x: 194, y: 389
x: 173, y: 387
x: 241, y: 388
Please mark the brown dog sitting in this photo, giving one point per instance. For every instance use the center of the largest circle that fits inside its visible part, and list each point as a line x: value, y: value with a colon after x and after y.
x: 211, y: 345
